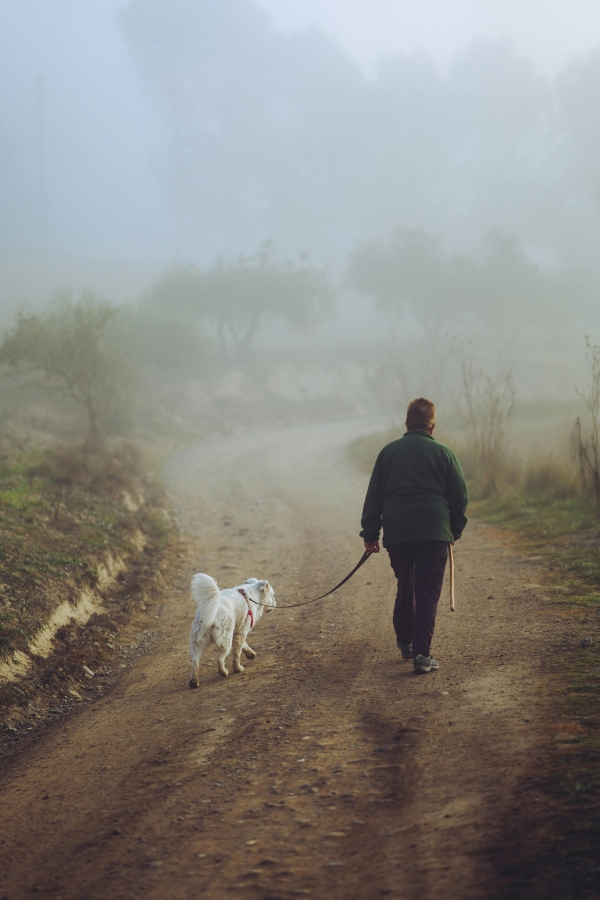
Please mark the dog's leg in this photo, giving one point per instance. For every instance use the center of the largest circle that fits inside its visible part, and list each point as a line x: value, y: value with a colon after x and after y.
x: 223, y: 637
x: 223, y: 654
x: 249, y: 652
x: 238, y: 643
x: 195, y: 676
x: 198, y: 643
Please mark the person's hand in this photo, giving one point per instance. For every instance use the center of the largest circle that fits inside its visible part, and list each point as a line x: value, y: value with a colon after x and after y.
x: 372, y: 547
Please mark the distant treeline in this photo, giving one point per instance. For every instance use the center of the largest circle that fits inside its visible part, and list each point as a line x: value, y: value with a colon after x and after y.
x: 282, y: 135
x: 195, y: 325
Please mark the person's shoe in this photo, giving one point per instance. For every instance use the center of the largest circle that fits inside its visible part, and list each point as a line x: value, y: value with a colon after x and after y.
x: 405, y: 649
x: 425, y: 664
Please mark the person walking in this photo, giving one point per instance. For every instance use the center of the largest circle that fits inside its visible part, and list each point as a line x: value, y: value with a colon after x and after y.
x: 418, y: 493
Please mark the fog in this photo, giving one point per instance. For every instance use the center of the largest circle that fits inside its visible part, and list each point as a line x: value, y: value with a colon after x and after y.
x: 439, y: 162
x: 547, y: 32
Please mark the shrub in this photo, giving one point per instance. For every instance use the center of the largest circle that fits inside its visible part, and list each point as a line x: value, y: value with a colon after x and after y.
x: 552, y: 478
x: 586, y: 448
x: 106, y: 472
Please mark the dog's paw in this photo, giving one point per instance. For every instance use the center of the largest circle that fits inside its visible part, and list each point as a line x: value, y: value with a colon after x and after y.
x: 223, y: 672
x: 249, y: 653
x: 238, y: 668
x: 193, y: 683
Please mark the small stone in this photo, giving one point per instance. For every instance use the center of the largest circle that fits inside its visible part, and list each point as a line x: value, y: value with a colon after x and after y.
x: 251, y: 843
x: 586, y: 642
x: 88, y: 672
x: 75, y: 694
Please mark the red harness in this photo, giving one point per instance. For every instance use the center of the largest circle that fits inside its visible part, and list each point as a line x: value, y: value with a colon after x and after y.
x: 250, y: 613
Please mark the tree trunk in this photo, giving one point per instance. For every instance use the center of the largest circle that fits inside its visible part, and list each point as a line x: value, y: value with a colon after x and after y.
x: 94, y: 442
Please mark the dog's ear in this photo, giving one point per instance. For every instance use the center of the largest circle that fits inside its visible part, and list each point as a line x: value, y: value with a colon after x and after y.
x: 251, y: 581
x: 263, y: 585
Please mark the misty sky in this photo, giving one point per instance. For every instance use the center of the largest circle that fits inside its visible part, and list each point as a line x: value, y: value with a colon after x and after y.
x: 549, y: 32
x: 105, y: 140
x: 170, y: 136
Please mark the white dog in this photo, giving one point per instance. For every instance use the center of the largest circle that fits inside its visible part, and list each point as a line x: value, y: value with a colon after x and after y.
x: 226, y: 618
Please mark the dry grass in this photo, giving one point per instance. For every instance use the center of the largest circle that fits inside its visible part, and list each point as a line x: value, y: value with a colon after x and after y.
x: 551, y: 478
x: 108, y: 473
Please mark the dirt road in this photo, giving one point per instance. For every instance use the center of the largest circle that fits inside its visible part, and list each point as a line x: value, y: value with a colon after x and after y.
x: 327, y: 769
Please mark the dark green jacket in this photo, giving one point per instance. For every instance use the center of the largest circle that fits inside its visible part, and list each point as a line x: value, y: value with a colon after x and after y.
x: 417, y: 492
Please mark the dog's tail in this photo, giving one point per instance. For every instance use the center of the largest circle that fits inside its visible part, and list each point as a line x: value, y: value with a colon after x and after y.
x: 205, y: 593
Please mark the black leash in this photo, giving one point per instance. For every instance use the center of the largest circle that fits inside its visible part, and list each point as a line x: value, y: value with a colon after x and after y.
x: 361, y: 562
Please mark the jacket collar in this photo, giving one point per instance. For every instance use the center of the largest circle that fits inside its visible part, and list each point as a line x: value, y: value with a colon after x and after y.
x: 419, y: 432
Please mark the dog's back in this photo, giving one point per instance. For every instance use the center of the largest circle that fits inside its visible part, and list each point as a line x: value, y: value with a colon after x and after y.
x: 205, y: 592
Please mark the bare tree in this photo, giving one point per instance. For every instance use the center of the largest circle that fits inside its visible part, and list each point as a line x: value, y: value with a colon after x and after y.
x: 587, y: 448
x: 485, y: 411
x: 401, y: 370
x: 71, y: 348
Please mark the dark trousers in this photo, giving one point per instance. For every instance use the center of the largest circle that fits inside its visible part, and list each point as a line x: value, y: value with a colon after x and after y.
x: 419, y: 567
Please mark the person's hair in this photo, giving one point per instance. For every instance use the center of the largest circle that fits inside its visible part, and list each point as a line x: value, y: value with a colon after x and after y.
x: 420, y: 414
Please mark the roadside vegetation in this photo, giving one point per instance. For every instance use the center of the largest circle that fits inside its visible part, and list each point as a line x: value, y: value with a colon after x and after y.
x: 82, y: 534
x: 84, y: 529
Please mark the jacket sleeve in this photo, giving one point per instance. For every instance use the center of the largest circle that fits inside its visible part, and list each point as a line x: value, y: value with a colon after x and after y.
x: 457, y: 496
x: 373, y: 507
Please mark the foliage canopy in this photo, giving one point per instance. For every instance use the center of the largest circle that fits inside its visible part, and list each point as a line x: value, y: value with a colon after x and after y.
x: 237, y: 297
x: 73, y: 348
